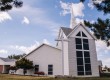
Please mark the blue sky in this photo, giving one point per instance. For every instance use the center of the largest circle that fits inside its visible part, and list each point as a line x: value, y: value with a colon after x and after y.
x: 38, y: 21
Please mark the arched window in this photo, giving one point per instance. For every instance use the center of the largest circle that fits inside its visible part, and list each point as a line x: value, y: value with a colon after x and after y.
x: 83, y: 54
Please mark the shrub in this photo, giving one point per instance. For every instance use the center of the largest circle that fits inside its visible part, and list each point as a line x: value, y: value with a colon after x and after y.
x: 104, y: 74
x: 39, y: 73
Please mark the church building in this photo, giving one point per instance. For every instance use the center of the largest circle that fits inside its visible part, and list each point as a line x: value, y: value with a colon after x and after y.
x: 74, y: 54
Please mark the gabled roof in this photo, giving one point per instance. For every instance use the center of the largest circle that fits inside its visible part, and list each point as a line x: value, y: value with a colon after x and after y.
x: 84, y: 28
x: 66, y: 30
x: 7, y: 59
x: 40, y: 47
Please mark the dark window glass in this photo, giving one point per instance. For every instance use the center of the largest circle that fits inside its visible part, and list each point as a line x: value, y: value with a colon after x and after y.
x: 50, y: 73
x: 80, y: 73
x: 78, y: 46
x: 87, y: 67
x: 87, y: 60
x: 78, y: 41
x: 85, y: 41
x: 36, y: 68
x: 85, y: 46
x: 80, y: 68
x: 86, y: 54
x: 79, y: 54
x: 50, y: 69
x: 79, y: 61
x: 79, y: 34
x: 88, y: 73
x: 83, y: 35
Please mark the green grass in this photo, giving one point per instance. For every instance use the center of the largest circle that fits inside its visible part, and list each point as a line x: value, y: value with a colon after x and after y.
x: 17, y: 77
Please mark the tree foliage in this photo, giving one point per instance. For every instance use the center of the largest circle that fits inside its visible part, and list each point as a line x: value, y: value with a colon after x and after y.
x: 6, y: 5
x: 101, y: 28
x: 103, y: 6
x: 16, y: 56
x: 24, y: 64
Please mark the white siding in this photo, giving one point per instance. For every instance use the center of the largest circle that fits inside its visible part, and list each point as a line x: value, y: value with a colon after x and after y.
x: 65, y: 52
x: 72, y: 54
x: 93, y: 56
x: 72, y: 57
x: 44, y: 56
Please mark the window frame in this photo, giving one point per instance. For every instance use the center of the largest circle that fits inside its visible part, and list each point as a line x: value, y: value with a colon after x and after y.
x: 83, y: 53
x: 36, y: 67
x: 50, y: 69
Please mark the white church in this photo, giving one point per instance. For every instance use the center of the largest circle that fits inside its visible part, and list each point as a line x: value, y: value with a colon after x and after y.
x: 74, y: 54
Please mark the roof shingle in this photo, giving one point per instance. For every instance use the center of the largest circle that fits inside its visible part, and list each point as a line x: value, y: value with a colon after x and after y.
x: 67, y: 31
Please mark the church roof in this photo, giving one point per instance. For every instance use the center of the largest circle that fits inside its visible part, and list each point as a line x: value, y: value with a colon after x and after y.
x: 40, y: 47
x: 66, y: 30
x: 7, y: 59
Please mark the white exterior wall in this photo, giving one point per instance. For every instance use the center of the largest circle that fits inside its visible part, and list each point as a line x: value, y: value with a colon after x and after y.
x: 43, y: 57
x: 65, y: 52
x: 72, y: 57
x: 93, y: 56
x: 66, y: 61
x: 72, y: 54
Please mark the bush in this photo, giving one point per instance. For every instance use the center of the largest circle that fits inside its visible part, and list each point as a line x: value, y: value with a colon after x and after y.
x: 39, y: 73
x: 104, y: 74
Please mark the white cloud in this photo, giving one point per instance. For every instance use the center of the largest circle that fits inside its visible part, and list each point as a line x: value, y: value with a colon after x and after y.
x: 78, y: 20
x: 39, y: 18
x: 2, y: 51
x: 25, y: 20
x: 65, y: 7
x: 90, y: 4
x: 77, y: 8
x: 46, y: 41
x: 103, y: 52
x: 4, y: 16
x: 25, y: 49
x: 97, y: 1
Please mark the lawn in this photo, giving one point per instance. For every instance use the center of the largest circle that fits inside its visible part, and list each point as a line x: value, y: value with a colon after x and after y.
x: 17, y: 77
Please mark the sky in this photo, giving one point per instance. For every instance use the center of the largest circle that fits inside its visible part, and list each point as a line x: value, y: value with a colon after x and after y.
x: 38, y: 21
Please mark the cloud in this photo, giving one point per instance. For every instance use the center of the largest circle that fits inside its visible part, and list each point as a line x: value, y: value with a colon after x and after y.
x: 2, y: 51
x: 46, y: 41
x: 103, y: 52
x: 25, y: 49
x: 66, y: 8
x: 25, y: 20
x: 97, y: 1
x: 77, y: 8
x: 78, y: 20
x: 90, y: 4
x: 39, y: 18
x: 4, y: 16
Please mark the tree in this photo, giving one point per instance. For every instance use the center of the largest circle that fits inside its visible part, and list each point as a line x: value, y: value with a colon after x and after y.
x: 24, y: 64
x: 16, y: 56
x: 101, y: 28
x: 6, y: 5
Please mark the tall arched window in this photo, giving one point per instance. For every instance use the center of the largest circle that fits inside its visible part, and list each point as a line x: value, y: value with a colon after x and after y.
x: 83, y: 54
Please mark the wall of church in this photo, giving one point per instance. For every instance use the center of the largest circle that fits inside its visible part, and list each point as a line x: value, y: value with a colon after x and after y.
x: 72, y: 57
x: 43, y: 57
x: 94, y: 61
x: 73, y: 61
x: 66, y: 61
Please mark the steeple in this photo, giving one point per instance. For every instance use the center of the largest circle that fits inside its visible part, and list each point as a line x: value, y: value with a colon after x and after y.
x: 73, y: 20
